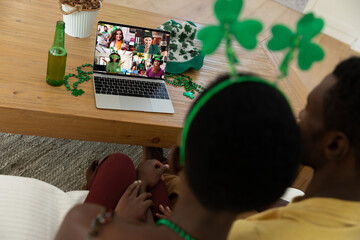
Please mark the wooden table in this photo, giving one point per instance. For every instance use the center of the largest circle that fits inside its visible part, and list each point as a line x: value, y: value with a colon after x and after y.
x: 28, y: 105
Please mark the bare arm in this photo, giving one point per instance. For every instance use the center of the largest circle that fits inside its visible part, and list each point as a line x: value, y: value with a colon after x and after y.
x: 77, y: 222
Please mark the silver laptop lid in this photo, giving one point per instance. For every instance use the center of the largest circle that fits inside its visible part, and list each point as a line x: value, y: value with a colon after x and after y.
x: 131, y: 51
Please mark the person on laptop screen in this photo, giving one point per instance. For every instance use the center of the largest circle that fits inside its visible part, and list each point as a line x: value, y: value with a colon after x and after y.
x: 116, y: 40
x: 141, y: 67
x: 103, y: 36
x: 155, y: 71
x: 114, y: 66
x: 148, y: 47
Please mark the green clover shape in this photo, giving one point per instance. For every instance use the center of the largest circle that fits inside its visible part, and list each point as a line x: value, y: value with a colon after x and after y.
x: 245, y: 32
x: 307, y: 28
x: 189, y: 95
x: 77, y: 92
x: 227, y: 12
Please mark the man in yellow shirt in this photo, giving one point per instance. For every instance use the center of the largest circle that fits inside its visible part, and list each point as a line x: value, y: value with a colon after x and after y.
x: 330, y: 127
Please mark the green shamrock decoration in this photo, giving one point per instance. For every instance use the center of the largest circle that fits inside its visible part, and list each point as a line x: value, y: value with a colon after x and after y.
x: 307, y: 28
x: 113, y: 50
x: 77, y: 92
x: 245, y: 32
x: 189, y: 95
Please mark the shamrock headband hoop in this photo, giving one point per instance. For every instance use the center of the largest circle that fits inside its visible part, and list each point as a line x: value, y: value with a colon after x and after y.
x: 206, y: 97
x: 245, y: 32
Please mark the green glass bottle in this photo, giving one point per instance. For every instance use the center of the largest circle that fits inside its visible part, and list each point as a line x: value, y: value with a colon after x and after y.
x: 57, y: 57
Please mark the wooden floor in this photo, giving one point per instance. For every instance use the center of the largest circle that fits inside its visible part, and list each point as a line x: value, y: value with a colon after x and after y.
x: 269, y: 12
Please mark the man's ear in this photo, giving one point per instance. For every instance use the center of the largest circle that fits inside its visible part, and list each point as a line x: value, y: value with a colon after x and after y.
x: 337, y: 145
x: 174, y: 160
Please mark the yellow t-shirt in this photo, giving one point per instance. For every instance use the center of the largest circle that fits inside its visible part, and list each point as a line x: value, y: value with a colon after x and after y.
x: 309, y: 219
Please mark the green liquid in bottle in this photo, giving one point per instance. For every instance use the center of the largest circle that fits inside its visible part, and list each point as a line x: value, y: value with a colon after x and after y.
x: 56, y: 68
x: 57, y: 58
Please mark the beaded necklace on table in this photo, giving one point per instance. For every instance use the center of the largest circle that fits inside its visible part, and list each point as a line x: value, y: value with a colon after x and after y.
x: 82, y: 76
x: 176, y: 80
x: 186, y: 82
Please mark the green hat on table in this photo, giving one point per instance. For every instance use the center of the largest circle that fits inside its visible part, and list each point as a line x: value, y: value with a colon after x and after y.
x: 182, y: 53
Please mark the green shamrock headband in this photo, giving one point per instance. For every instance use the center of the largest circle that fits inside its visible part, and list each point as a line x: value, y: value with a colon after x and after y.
x: 113, y: 50
x: 245, y: 32
x: 114, y: 28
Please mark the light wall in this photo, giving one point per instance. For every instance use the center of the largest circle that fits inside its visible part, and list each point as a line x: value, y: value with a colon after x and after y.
x: 342, y: 19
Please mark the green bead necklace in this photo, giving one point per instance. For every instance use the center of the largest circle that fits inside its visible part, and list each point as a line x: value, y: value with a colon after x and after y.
x: 175, y: 228
x: 177, y: 80
x: 186, y: 82
x: 82, y: 76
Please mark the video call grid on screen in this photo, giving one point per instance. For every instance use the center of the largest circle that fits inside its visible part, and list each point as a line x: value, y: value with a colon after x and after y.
x: 120, y: 49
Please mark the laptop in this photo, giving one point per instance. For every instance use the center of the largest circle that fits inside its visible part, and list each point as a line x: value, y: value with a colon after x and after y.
x: 129, y: 68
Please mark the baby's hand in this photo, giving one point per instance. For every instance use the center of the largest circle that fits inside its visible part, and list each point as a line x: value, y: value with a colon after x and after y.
x: 150, y: 172
x: 165, y: 212
x: 132, y: 206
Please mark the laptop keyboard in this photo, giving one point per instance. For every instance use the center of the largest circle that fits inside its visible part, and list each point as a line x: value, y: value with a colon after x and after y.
x: 134, y: 88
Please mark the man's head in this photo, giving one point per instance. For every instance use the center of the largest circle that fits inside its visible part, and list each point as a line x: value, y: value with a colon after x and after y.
x: 158, y: 59
x: 330, y: 123
x: 147, y: 41
x: 242, y: 148
x: 105, y: 28
x: 148, y: 37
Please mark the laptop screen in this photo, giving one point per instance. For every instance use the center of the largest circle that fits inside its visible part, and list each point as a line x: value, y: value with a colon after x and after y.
x: 131, y: 51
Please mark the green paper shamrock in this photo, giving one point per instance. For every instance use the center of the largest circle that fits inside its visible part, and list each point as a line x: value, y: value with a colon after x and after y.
x: 307, y: 28
x: 227, y: 12
x: 245, y: 32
